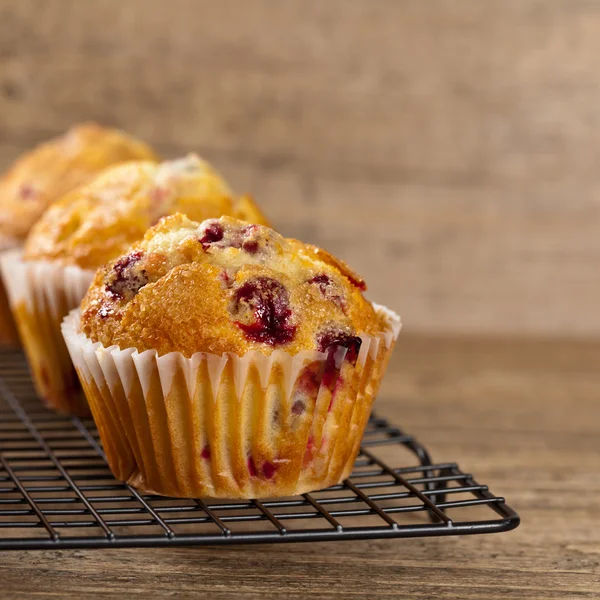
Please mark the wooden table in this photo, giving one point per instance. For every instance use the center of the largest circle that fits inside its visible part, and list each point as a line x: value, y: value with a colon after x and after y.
x: 523, y: 416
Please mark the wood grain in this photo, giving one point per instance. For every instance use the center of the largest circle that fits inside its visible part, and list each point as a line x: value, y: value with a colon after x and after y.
x: 521, y: 415
x: 448, y: 150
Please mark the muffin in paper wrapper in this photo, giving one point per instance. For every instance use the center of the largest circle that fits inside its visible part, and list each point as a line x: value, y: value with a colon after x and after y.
x: 231, y: 426
x: 8, y: 331
x: 41, y: 294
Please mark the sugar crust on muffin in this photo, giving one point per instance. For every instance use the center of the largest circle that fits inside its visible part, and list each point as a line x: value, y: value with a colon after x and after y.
x: 226, y: 286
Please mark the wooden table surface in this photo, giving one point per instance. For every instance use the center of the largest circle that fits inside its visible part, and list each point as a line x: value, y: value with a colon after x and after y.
x: 523, y: 416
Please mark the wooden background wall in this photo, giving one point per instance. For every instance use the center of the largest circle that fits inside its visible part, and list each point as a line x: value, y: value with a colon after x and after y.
x: 448, y: 149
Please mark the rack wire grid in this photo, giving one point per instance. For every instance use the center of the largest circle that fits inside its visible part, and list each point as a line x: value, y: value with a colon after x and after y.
x: 56, y: 491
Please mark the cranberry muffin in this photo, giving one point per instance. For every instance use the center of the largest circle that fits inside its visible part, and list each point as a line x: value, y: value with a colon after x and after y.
x: 221, y: 359
x: 47, y: 173
x: 83, y: 231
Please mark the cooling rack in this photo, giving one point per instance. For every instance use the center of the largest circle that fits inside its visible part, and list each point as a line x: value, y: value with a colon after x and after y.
x: 56, y: 491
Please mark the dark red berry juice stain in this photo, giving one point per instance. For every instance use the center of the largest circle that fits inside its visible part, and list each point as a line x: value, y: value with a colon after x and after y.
x: 269, y: 302
x: 267, y: 470
x: 205, y: 452
x: 125, y: 280
x: 307, y: 387
x: 309, y: 451
x: 252, y: 467
x: 309, y: 379
x: 226, y: 278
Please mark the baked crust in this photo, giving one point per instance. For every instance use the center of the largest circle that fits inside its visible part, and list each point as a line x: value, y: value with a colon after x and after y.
x: 225, y: 286
x: 97, y: 222
x: 56, y: 167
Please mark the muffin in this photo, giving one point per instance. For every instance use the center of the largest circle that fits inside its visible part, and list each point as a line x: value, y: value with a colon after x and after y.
x: 47, y: 173
x: 223, y: 360
x: 83, y: 231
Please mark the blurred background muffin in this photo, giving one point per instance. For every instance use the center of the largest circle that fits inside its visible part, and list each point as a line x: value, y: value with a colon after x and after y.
x: 48, y: 172
x: 86, y: 229
x: 97, y: 222
x: 58, y: 166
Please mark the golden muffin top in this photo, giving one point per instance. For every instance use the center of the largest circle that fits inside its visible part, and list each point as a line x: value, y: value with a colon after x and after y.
x: 58, y: 166
x: 98, y: 222
x: 226, y: 286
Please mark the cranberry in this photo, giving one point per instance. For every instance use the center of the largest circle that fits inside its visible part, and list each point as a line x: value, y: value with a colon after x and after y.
x: 325, y: 284
x: 268, y: 469
x: 321, y: 280
x: 213, y: 233
x: 330, y: 339
x: 250, y: 246
x: 27, y: 192
x: 269, y: 301
x: 239, y: 238
x: 125, y: 280
x: 205, y: 452
x: 331, y: 374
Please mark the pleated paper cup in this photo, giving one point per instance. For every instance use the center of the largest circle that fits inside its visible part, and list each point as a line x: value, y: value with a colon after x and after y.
x: 231, y: 426
x: 41, y: 294
x: 8, y: 331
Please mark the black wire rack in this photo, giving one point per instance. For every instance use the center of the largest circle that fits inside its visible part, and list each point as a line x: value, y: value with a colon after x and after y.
x: 56, y: 491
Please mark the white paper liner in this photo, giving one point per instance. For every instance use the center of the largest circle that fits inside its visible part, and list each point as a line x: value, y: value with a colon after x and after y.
x: 8, y: 330
x: 41, y: 294
x: 35, y: 282
x: 229, y: 426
